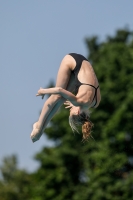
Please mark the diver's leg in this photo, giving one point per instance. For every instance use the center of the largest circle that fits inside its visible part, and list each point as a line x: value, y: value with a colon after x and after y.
x: 64, y: 72
x: 49, y: 109
x: 52, y: 105
x: 65, y: 80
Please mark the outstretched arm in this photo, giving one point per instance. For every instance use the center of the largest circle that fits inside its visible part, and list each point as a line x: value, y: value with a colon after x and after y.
x: 58, y: 90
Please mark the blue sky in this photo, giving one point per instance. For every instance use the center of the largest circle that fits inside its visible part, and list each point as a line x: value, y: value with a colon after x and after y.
x: 34, y: 37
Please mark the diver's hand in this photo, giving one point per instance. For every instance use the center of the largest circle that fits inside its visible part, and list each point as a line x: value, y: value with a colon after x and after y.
x: 68, y: 104
x: 41, y: 93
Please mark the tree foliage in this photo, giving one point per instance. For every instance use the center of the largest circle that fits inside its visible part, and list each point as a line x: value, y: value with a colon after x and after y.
x: 102, y: 168
x: 14, y: 184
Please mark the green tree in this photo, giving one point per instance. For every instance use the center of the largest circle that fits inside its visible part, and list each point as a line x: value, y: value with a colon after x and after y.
x: 111, y: 166
x: 14, y: 183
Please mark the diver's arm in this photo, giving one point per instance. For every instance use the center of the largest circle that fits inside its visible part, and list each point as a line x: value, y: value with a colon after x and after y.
x: 58, y: 90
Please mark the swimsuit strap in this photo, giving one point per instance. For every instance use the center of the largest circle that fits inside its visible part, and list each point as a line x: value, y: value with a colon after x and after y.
x: 90, y: 85
x: 95, y: 95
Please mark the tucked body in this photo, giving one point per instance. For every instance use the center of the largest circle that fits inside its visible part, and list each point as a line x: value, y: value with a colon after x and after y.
x: 78, y: 88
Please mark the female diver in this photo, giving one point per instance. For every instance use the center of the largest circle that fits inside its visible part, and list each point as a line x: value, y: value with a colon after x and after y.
x: 77, y: 88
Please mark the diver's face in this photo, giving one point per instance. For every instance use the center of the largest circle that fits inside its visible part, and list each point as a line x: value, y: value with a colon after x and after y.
x: 74, y: 111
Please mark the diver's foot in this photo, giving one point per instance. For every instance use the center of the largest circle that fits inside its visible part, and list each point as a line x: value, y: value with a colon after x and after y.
x: 36, y: 133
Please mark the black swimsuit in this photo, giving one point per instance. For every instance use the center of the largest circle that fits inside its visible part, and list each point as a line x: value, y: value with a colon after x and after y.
x: 79, y: 59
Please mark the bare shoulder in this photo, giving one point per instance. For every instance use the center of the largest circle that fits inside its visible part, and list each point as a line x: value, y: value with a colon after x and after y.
x: 69, y: 61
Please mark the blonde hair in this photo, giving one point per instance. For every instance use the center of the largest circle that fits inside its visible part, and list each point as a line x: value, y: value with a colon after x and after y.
x: 86, y: 130
x: 84, y: 121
